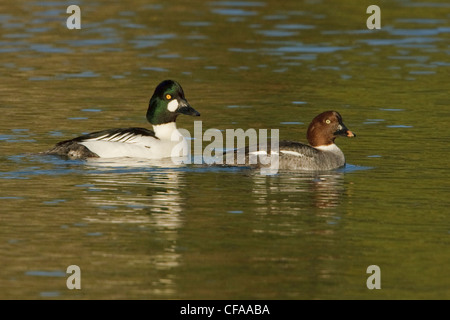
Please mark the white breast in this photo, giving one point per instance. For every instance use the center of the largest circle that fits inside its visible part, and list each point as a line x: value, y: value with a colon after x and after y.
x: 331, y: 148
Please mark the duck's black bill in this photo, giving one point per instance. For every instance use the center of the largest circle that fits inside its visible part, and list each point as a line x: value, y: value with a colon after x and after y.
x: 188, y: 110
x: 343, y: 131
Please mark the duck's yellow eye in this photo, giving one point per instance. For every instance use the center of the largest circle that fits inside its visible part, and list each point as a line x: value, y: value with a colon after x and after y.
x: 168, y: 96
x: 327, y: 121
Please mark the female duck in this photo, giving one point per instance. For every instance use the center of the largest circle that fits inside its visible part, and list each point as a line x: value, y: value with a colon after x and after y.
x: 321, y: 153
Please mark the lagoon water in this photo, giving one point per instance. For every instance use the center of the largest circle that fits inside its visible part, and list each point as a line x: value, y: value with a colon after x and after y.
x: 155, y: 230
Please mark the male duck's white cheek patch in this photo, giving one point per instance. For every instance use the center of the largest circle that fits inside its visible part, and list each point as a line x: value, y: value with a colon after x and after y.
x: 172, y: 105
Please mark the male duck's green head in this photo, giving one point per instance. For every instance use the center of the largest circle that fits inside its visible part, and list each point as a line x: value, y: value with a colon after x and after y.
x: 167, y: 103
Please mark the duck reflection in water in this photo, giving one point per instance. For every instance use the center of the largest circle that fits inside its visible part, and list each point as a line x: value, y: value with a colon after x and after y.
x: 296, y: 192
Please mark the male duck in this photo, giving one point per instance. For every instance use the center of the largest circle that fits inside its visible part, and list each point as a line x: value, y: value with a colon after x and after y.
x: 321, y: 153
x: 167, y: 102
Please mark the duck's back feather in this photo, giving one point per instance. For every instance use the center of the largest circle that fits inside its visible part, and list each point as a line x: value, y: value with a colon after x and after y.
x: 116, y: 135
x: 74, y: 148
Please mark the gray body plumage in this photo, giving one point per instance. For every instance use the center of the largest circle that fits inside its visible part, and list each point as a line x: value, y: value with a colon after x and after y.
x: 321, y: 153
x: 295, y: 156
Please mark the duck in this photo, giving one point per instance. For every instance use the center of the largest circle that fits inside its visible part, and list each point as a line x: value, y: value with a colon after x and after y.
x: 320, y: 154
x: 167, y: 102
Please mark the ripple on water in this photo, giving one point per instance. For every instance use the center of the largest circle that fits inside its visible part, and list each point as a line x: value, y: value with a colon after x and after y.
x: 311, y: 49
x: 46, y: 48
x: 49, y: 294
x: 291, y: 122
x: 420, y: 21
x: 392, y: 109
x: 399, y: 126
x: 238, y: 3
x: 277, y: 33
x: 294, y: 26
x: 41, y: 273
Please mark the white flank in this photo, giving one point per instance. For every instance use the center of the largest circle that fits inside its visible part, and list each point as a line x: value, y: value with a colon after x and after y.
x: 292, y: 153
x: 172, y: 105
x: 114, y: 149
x: 258, y: 152
x: 262, y: 152
x: 135, y: 145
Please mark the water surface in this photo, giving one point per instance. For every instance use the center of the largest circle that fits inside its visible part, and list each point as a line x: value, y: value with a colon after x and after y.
x: 141, y: 230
